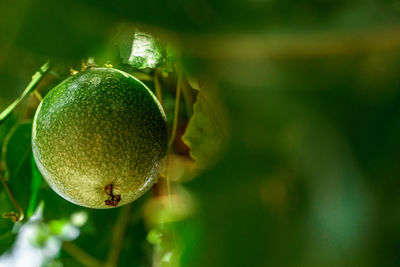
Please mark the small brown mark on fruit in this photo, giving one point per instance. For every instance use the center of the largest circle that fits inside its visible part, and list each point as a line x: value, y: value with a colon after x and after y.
x: 112, y: 200
x: 109, y: 189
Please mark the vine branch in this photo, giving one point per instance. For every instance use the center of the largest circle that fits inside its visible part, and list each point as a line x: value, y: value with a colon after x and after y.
x: 176, y: 111
x: 118, y: 235
x: 15, y: 217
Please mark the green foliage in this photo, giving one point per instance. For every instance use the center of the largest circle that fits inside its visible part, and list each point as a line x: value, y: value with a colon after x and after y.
x: 17, y: 150
x: 208, y: 130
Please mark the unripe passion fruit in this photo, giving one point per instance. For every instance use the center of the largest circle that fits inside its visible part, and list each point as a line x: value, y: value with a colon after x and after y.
x: 99, y: 138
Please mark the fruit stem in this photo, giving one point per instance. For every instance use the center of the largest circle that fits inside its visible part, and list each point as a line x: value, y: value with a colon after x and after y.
x: 15, y: 217
x: 157, y: 86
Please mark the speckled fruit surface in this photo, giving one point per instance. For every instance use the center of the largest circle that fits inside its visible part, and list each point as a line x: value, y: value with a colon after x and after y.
x: 98, y: 128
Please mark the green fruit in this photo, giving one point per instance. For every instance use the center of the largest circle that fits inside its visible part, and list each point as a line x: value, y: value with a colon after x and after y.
x: 99, y: 138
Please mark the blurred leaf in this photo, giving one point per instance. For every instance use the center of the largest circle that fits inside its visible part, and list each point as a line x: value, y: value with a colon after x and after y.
x: 207, y: 131
x: 17, y: 149
x: 6, y: 240
x: 194, y: 83
x: 143, y: 51
x: 31, y: 86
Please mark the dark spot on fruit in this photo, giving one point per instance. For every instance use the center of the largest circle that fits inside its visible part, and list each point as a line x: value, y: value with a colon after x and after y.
x: 112, y: 200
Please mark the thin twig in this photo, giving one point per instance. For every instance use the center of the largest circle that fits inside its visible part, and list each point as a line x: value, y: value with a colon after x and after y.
x: 118, y: 236
x: 81, y: 256
x: 15, y: 217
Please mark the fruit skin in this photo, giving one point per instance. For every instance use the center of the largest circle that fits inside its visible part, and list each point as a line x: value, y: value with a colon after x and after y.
x: 96, y: 128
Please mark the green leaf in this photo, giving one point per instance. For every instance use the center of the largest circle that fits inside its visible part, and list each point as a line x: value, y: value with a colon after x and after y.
x: 31, y: 86
x: 35, y: 187
x: 208, y: 129
x: 6, y: 240
x: 16, y: 150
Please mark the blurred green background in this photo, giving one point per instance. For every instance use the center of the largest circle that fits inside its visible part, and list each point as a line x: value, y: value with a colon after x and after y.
x: 310, y: 173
